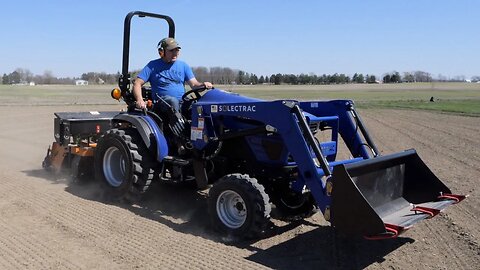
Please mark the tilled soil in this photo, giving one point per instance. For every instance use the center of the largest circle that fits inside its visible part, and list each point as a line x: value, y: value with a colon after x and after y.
x: 48, y: 222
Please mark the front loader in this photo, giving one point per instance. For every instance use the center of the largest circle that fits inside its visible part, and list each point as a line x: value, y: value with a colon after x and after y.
x: 250, y: 155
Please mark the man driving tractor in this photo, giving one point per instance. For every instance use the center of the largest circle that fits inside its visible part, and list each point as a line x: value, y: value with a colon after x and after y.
x: 167, y: 76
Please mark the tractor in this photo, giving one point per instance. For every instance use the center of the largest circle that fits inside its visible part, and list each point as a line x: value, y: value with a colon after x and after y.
x: 250, y: 155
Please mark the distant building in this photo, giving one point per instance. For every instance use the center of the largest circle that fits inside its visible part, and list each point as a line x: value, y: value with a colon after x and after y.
x: 23, y: 83
x: 81, y: 82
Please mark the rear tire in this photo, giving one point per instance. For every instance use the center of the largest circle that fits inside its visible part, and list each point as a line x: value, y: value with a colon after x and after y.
x: 239, y: 206
x: 123, y: 165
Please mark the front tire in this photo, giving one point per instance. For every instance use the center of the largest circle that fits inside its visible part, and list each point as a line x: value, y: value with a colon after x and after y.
x: 123, y: 164
x: 239, y: 206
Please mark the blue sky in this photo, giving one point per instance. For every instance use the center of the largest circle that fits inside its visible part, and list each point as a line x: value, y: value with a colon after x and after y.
x: 69, y: 38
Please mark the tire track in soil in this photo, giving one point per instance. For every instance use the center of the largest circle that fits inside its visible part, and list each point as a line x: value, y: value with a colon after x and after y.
x: 99, y: 226
x: 425, y: 142
x: 473, y: 243
x: 29, y: 250
x: 455, y: 122
x: 67, y: 223
x: 22, y: 210
x: 137, y: 236
x: 31, y: 254
x: 445, y: 246
x: 440, y: 134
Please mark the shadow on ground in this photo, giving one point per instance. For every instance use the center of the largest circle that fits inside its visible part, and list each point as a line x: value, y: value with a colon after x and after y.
x: 184, y: 209
x: 322, y: 248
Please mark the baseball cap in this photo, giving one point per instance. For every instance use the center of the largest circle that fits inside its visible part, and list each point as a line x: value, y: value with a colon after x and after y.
x: 168, y: 44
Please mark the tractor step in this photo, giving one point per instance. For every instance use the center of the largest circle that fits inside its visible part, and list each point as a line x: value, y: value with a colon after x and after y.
x: 176, y: 161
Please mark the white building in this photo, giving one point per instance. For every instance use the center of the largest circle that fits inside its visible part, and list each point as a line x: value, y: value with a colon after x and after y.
x: 81, y: 82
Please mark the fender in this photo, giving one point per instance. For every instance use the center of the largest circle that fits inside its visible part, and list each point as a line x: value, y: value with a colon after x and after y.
x: 148, y: 130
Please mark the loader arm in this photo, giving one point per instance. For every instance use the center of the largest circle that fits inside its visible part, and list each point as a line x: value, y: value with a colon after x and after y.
x: 351, y: 126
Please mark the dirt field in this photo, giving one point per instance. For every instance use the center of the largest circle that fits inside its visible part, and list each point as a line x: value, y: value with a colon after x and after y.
x: 48, y: 223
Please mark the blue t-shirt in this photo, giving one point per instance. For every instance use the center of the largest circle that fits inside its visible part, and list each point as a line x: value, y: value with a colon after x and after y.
x: 166, y: 79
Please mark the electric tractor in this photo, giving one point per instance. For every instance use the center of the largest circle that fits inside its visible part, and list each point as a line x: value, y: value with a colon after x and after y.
x: 250, y: 155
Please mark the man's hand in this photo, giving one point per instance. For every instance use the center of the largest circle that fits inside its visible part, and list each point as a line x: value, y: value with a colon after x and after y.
x: 137, y: 93
x: 140, y: 104
x: 208, y: 85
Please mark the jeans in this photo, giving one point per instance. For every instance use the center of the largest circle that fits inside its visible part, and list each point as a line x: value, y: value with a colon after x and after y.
x: 164, y: 103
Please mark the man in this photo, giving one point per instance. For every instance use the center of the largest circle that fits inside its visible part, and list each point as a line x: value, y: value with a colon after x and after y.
x: 167, y: 77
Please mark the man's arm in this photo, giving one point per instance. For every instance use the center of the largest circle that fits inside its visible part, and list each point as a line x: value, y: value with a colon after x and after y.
x: 137, y: 93
x: 196, y: 84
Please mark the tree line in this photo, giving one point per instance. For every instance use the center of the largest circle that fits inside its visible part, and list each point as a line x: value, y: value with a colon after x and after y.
x: 220, y: 75
x: 225, y: 75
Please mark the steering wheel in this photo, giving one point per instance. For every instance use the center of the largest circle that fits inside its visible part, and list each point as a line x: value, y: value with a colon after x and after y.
x: 196, y: 94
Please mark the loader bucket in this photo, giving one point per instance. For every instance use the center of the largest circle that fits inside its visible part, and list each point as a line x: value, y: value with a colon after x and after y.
x: 383, y: 196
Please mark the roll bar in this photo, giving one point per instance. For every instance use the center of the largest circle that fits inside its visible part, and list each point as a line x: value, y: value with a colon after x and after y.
x: 124, y: 80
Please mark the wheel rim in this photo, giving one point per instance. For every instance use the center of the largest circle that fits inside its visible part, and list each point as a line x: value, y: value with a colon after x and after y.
x: 231, y: 209
x: 114, y: 166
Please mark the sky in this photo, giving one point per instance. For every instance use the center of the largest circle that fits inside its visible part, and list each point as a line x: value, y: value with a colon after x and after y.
x: 68, y: 38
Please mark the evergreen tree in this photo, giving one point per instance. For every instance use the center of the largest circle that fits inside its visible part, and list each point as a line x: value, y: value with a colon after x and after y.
x: 14, y: 77
x: 254, y: 79
x: 387, y: 78
x: 5, y: 79
x: 371, y: 79
x: 241, y: 77
x: 360, y: 78
x: 278, y: 79
x: 395, y: 78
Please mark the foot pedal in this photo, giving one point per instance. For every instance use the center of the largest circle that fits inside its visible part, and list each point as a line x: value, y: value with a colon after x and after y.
x: 176, y: 161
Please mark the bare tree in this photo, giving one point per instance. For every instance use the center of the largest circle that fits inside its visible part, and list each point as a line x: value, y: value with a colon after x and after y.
x: 48, y: 77
x: 422, y: 76
x: 408, y: 77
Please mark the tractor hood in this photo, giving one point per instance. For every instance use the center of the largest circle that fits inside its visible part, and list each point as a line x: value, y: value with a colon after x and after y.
x: 218, y: 96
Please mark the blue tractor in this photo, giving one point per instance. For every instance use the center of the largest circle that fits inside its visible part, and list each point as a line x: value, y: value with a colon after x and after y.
x: 251, y: 155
